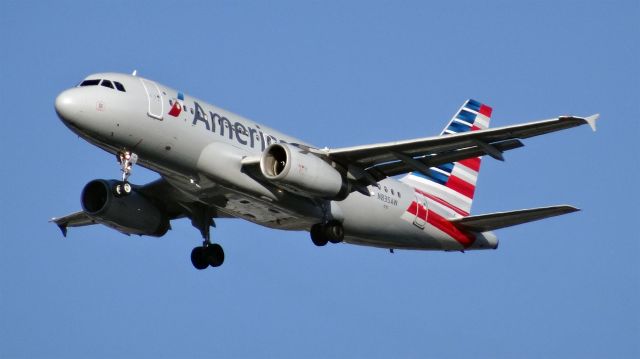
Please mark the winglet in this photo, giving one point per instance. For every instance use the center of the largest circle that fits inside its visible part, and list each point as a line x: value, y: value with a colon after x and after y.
x: 61, y: 224
x: 63, y: 229
x: 591, y: 121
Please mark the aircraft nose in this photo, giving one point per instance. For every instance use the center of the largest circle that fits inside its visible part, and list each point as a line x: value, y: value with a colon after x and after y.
x: 67, y: 105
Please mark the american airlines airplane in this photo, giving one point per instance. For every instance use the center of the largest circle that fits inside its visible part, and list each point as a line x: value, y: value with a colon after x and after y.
x: 411, y: 194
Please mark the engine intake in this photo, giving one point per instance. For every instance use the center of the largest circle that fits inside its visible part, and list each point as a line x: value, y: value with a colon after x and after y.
x: 302, y: 172
x: 130, y: 214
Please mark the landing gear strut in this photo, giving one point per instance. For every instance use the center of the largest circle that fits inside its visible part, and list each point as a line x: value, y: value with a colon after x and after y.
x: 127, y: 160
x: 323, y: 233
x: 209, y: 254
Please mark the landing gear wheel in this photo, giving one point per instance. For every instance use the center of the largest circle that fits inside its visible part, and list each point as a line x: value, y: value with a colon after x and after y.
x: 318, y: 236
x: 334, y: 232
x: 214, y: 255
x: 122, y: 189
x: 209, y: 254
x: 335, y: 240
x: 198, y: 258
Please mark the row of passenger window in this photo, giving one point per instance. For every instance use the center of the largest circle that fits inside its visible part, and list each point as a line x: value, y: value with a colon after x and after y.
x: 392, y: 191
x: 105, y: 83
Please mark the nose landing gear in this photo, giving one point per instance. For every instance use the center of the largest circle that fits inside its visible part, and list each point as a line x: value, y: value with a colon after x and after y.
x: 126, y: 159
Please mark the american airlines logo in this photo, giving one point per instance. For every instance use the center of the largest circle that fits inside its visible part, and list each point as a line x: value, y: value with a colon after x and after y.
x: 216, y: 123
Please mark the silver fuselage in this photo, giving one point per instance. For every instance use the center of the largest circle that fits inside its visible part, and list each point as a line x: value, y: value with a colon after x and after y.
x: 200, y: 152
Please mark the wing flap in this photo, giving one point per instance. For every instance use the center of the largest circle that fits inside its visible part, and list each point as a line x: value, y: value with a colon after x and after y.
x: 492, y: 221
x: 388, y: 169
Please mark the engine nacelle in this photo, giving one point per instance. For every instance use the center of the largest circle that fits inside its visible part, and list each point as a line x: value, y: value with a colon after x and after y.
x: 130, y: 214
x: 302, y: 172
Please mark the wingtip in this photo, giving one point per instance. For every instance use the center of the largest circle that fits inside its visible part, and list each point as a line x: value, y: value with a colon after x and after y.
x: 591, y: 121
x: 569, y: 208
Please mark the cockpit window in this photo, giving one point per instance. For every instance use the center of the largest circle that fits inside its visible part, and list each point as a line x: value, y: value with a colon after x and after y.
x: 119, y: 86
x: 90, y: 82
x: 107, y: 83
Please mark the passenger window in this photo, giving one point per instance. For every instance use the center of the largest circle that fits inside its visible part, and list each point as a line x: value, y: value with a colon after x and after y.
x: 192, y: 110
x: 170, y: 102
x: 119, y: 86
x: 90, y: 82
x: 399, y: 196
x: 385, y: 189
x: 184, y: 108
x: 392, y: 192
x: 107, y: 83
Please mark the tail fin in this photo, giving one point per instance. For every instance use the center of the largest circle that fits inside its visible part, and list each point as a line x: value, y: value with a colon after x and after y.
x: 455, y: 182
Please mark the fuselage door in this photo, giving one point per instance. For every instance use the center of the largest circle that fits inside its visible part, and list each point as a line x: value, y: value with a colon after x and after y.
x: 155, y: 108
x: 420, y: 219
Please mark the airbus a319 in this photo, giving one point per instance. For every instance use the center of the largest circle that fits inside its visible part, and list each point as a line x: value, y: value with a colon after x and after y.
x: 412, y: 194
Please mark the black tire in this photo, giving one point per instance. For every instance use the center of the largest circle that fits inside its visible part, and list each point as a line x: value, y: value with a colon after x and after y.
x: 318, y: 235
x: 122, y: 189
x: 198, y: 258
x: 334, y: 232
x: 214, y: 255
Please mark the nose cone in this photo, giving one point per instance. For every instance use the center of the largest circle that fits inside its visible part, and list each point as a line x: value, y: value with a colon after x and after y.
x: 67, y: 105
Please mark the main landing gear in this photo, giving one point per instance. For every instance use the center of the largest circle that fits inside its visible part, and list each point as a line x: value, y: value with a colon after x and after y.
x: 127, y: 160
x: 209, y: 254
x: 323, y: 233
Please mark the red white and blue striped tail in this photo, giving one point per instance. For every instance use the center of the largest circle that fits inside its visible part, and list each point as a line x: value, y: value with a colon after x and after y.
x: 455, y: 182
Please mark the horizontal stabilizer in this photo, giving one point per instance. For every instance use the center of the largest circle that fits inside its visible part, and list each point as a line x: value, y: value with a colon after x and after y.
x: 491, y: 221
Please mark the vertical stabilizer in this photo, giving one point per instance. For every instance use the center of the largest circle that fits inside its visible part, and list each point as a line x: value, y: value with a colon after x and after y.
x: 455, y: 182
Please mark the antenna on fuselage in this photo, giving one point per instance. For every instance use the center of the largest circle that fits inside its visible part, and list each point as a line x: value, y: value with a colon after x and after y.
x: 135, y: 72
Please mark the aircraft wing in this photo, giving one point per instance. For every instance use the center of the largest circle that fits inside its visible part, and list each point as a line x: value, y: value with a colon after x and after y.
x: 77, y: 219
x: 393, y: 158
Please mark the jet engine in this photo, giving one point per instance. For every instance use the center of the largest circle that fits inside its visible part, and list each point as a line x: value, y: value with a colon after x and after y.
x: 129, y: 214
x: 302, y: 172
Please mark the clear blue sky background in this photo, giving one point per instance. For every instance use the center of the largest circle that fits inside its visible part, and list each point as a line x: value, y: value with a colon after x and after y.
x: 333, y: 74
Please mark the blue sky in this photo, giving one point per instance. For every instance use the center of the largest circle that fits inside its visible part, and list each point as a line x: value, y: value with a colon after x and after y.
x: 333, y: 74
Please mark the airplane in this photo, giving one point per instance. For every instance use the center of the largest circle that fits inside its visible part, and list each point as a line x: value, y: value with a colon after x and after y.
x: 414, y: 194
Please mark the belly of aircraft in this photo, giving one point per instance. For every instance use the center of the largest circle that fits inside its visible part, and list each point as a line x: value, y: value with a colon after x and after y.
x: 262, y: 213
